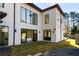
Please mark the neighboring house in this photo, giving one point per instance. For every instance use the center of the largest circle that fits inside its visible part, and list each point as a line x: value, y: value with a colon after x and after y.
x: 27, y: 22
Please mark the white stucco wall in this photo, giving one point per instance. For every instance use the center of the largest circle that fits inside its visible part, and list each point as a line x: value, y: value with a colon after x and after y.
x: 8, y: 20
x: 19, y: 25
x: 54, y: 14
x: 59, y: 26
x: 52, y: 22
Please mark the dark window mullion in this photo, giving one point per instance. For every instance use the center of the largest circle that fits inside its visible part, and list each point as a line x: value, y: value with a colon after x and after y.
x: 30, y: 17
x: 26, y: 15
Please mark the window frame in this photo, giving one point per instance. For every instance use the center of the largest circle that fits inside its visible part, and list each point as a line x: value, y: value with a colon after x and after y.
x: 46, y: 17
x: 2, y: 5
x: 30, y: 18
x: 21, y: 15
x: 8, y: 33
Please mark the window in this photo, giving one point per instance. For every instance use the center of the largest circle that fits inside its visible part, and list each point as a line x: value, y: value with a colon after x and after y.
x: 34, y: 18
x: 28, y: 16
x: 46, y: 18
x: 23, y: 14
x: 1, y: 5
x: 3, y: 35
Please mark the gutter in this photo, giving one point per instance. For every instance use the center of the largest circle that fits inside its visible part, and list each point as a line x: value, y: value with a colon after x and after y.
x: 14, y: 27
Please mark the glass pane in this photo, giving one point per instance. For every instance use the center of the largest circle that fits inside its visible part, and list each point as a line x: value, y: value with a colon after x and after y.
x: 29, y: 33
x: 28, y: 16
x: 45, y: 34
x: 46, y: 18
x: 32, y: 18
x: 3, y: 35
x: 1, y: 4
x: 23, y: 17
x: 49, y: 34
x: 36, y: 19
x: 23, y: 37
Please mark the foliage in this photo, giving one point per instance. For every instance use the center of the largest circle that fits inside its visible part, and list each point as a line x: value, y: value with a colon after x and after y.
x: 74, y: 16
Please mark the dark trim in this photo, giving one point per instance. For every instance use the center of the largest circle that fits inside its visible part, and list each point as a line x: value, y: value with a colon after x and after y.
x: 54, y: 6
x: 34, y: 6
x: 14, y: 27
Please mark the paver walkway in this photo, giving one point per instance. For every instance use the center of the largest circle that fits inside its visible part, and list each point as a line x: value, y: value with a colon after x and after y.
x: 5, y: 51
x: 63, y: 52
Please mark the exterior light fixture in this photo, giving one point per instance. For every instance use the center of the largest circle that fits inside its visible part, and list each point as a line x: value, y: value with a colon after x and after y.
x: 2, y: 15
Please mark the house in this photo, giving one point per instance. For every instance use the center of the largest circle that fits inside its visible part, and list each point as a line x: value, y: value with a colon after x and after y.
x: 26, y: 22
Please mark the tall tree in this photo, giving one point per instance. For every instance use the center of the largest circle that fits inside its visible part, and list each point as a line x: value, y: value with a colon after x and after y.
x: 66, y: 17
x: 73, y: 17
x: 77, y: 21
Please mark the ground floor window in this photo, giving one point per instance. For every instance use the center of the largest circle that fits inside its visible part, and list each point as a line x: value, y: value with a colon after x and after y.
x: 3, y: 35
x: 28, y: 35
x: 47, y: 34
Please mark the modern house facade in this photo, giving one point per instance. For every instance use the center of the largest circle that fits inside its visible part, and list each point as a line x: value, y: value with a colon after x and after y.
x: 25, y: 22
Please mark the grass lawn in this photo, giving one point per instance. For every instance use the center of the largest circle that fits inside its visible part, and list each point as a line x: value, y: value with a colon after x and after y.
x: 37, y: 47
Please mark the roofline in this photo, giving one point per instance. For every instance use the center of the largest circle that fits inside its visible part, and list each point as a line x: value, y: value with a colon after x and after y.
x: 54, y: 6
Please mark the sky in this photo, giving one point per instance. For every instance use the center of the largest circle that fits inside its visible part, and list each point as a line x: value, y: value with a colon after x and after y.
x: 66, y: 7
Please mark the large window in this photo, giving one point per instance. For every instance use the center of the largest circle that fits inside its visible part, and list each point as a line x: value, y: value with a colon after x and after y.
x: 23, y: 14
x: 34, y: 18
x: 46, y: 18
x: 1, y: 5
x: 28, y: 16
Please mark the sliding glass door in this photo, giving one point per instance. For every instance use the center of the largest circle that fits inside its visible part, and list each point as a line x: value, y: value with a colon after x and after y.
x: 28, y: 35
x: 3, y: 35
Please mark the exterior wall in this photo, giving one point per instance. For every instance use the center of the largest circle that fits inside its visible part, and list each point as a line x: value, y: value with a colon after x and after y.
x: 52, y: 22
x: 62, y: 27
x: 54, y: 14
x: 59, y: 26
x: 8, y: 20
x: 20, y: 25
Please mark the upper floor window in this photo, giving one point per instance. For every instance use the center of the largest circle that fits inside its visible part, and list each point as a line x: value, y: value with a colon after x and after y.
x: 34, y: 18
x: 23, y: 15
x: 1, y: 4
x: 46, y: 18
x: 28, y: 16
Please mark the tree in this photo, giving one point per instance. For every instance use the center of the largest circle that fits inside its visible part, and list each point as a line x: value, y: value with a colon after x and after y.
x: 77, y: 21
x: 66, y: 17
x: 73, y: 17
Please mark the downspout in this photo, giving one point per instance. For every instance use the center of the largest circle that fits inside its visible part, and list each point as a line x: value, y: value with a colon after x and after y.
x: 14, y: 27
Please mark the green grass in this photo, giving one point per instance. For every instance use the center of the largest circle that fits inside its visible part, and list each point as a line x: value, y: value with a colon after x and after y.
x: 37, y: 47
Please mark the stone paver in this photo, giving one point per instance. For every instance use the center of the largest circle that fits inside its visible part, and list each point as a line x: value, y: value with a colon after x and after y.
x: 63, y: 52
x: 5, y: 51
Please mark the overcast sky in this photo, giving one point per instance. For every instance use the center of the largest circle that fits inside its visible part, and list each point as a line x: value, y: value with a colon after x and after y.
x: 66, y: 7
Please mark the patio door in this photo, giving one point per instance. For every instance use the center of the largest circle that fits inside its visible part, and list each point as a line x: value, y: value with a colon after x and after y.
x: 3, y: 35
x: 47, y: 34
x: 28, y: 35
